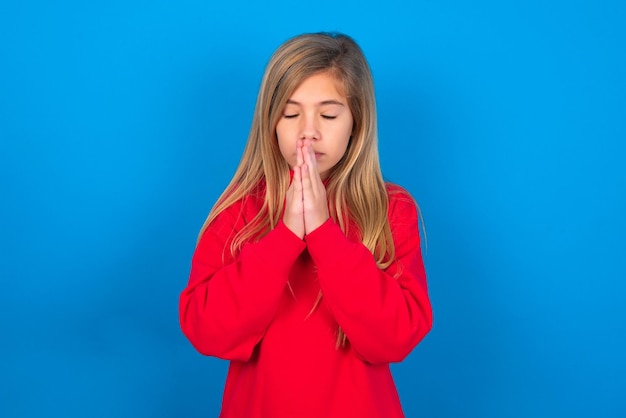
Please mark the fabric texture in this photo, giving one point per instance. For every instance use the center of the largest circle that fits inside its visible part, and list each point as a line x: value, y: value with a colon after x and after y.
x: 255, y: 309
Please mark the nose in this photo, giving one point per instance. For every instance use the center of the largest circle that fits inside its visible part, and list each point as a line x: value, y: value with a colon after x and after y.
x: 309, y: 128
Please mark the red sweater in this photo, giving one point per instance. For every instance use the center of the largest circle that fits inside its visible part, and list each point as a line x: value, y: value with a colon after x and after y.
x: 283, y: 359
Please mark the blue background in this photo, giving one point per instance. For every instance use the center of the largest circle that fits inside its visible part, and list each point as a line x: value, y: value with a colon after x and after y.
x: 122, y: 121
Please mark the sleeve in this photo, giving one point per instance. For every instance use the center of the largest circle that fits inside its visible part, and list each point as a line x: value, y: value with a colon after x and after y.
x: 229, y: 302
x: 384, y: 314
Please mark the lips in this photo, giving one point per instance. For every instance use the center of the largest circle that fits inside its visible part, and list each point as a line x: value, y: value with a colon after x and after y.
x: 318, y: 155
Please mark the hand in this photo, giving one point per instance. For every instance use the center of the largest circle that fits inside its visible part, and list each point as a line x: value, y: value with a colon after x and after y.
x: 313, y: 190
x: 293, y: 217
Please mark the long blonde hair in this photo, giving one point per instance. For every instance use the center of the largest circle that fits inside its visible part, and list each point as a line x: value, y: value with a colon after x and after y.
x: 356, y: 191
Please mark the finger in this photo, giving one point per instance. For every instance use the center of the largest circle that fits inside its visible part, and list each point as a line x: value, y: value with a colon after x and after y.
x: 294, y: 192
x: 306, y: 181
x: 314, y: 175
x: 315, y: 171
x: 309, y: 195
x: 293, y: 216
x: 306, y: 153
x: 297, y: 180
x: 312, y: 156
x: 299, y: 155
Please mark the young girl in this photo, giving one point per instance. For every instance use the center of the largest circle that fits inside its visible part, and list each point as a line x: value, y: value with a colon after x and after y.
x: 308, y: 273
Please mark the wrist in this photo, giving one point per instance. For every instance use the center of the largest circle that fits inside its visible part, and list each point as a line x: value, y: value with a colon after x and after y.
x: 314, y: 224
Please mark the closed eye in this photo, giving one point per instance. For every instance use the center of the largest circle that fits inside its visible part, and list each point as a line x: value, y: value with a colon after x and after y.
x: 329, y: 117
x: 290, y: 116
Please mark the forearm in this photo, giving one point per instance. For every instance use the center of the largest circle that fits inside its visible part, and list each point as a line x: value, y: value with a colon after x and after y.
x: 384, y: 314
x: 226, y: 308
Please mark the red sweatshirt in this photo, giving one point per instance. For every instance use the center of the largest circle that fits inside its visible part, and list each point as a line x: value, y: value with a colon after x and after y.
x: 283, y: 359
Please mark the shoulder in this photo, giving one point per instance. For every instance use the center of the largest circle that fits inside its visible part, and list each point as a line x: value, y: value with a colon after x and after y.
x: 403, y: 216
x: 241, y: 210
x: 397, y: 191
x: 400, y: 200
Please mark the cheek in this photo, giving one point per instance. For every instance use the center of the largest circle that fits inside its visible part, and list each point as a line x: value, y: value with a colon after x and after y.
x: 344, y: 147
x: 284, y: 145
x: 346, y: 134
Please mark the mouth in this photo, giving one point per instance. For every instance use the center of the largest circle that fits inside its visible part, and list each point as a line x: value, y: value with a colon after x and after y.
x: 318, y: 155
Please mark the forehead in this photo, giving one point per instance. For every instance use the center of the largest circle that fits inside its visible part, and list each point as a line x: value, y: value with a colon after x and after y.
x: 323, y: 86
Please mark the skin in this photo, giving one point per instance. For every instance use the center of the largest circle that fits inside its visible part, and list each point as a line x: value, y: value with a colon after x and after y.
x: 313, y: 135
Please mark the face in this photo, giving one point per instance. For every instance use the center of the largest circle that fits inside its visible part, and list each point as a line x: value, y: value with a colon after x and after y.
x: 319, y: 112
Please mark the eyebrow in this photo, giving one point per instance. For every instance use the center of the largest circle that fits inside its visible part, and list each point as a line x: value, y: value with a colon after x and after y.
x: 324, y: 102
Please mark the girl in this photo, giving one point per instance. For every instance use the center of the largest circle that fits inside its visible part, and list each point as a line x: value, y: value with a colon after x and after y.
x: 308, y: 274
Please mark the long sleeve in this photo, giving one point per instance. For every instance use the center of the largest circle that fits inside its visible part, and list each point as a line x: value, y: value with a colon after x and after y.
x: 229, y: 302
x: 384, y: 314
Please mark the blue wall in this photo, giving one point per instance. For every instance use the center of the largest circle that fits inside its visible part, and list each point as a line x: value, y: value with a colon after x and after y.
x: 121, y: 122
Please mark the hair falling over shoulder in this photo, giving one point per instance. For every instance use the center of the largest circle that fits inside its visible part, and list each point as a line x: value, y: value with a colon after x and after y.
x: 356, y: 191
